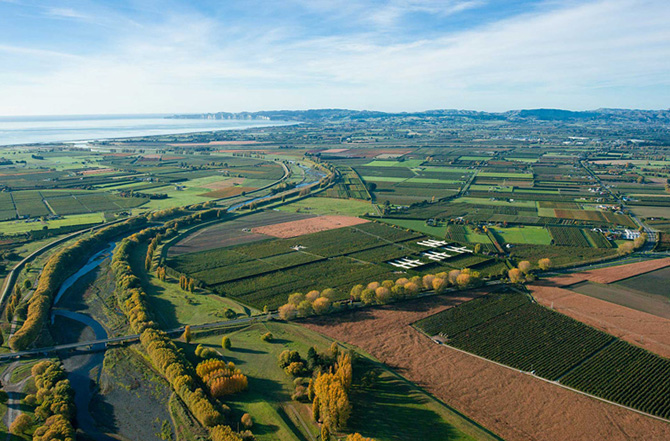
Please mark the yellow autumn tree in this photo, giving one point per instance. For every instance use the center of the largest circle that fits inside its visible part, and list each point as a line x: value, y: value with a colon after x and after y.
x: 544, y: 263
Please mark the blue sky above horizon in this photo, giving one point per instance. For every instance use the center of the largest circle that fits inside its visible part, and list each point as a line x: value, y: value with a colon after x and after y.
x: 146, y: 56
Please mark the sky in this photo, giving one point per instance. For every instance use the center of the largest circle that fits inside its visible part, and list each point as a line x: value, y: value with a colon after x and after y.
x: 170, y: 56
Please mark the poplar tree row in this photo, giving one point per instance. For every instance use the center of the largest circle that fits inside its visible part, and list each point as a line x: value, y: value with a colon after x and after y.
x: 59, y: 267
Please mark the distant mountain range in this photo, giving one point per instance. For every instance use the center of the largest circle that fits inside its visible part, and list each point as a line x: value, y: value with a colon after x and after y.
x: 653, y: 117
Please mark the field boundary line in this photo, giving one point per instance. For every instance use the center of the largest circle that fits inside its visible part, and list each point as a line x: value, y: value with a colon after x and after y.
x: 555, y: 382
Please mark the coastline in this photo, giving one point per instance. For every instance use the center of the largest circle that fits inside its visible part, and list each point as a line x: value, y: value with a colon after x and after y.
x: 31, y: 131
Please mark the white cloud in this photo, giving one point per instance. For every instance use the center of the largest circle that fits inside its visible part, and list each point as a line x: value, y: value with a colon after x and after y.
x: 66, y: 13
x: 606, y: 53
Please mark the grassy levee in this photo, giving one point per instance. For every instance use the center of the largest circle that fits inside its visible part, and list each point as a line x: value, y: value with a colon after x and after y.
x: 57, y: 269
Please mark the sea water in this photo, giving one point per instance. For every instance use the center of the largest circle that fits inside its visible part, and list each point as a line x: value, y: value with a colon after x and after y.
x: 45, y: 129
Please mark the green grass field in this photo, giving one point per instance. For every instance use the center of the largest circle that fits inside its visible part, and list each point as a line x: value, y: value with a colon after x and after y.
x: 473, y: 237
x: 319, y: 205
x: 174, y: 307
x: 526, y: 235
x: 176, y: 198
x: 447, y: 169
x: 19, y: 227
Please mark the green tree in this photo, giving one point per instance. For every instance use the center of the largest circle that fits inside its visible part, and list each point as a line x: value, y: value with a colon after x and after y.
x: 226, y: 343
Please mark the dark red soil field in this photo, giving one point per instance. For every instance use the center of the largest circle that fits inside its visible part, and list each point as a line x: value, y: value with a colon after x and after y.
x: 516, y: 406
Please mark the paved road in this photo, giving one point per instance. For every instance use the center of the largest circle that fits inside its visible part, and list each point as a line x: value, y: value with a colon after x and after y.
x: 14, y: 391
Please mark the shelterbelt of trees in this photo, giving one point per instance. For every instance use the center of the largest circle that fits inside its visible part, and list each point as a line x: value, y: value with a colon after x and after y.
x: 54, y: 399
x: 164, y: 354
x: 65, y: 262
x: 59, y: 267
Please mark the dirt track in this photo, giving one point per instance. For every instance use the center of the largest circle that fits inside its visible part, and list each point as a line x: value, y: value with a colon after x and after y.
x: 514, y: 405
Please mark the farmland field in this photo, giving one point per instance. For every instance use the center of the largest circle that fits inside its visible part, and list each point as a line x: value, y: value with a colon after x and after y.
x: 232, y: 232
x: 647, y: 292
x: 654, y: 282
x: 528, y: 235
x: 516, y: 405
x: 535, y: 339
x: 354, y: 198
x: 323, y: 205
x: 265, y: 272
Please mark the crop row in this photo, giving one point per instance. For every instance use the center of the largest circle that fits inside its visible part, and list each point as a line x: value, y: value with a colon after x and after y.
x: 250, y: 268
x: 273, y: 289
x: 330, y: 243
x: 465, y: 260
x: 457, y: 233
x: 570, y: 237
x: 29, y: 203
x: 598, y: 240
x: 628, y: 375
x: 473, y: 313
x: 533, y: 338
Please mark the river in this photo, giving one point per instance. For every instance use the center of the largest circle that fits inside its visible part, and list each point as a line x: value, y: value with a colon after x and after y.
x: 79, y: 366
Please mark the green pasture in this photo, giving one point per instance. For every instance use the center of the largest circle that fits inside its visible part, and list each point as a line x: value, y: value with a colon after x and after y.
x: 525, y: 235
x: 176, y: 198
x: 529, y: 190
x: 319, y: 205
x: 20, y: 226
x: 445, y: 169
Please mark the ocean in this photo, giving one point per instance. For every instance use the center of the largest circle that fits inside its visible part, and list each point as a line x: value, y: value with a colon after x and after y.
x: 46, y: 129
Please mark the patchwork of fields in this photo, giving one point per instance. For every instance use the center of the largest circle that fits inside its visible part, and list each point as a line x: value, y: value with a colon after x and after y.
x: 262, y: 272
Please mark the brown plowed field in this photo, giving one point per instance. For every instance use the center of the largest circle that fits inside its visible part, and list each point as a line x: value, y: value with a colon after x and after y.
x: 230, y: 233
x: 639, y: 328
x: 611, y: 274
x: 307, y: 226
x: 516, y: 406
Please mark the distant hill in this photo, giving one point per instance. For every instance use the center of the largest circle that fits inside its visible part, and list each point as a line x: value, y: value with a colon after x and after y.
x: 548, y: 115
